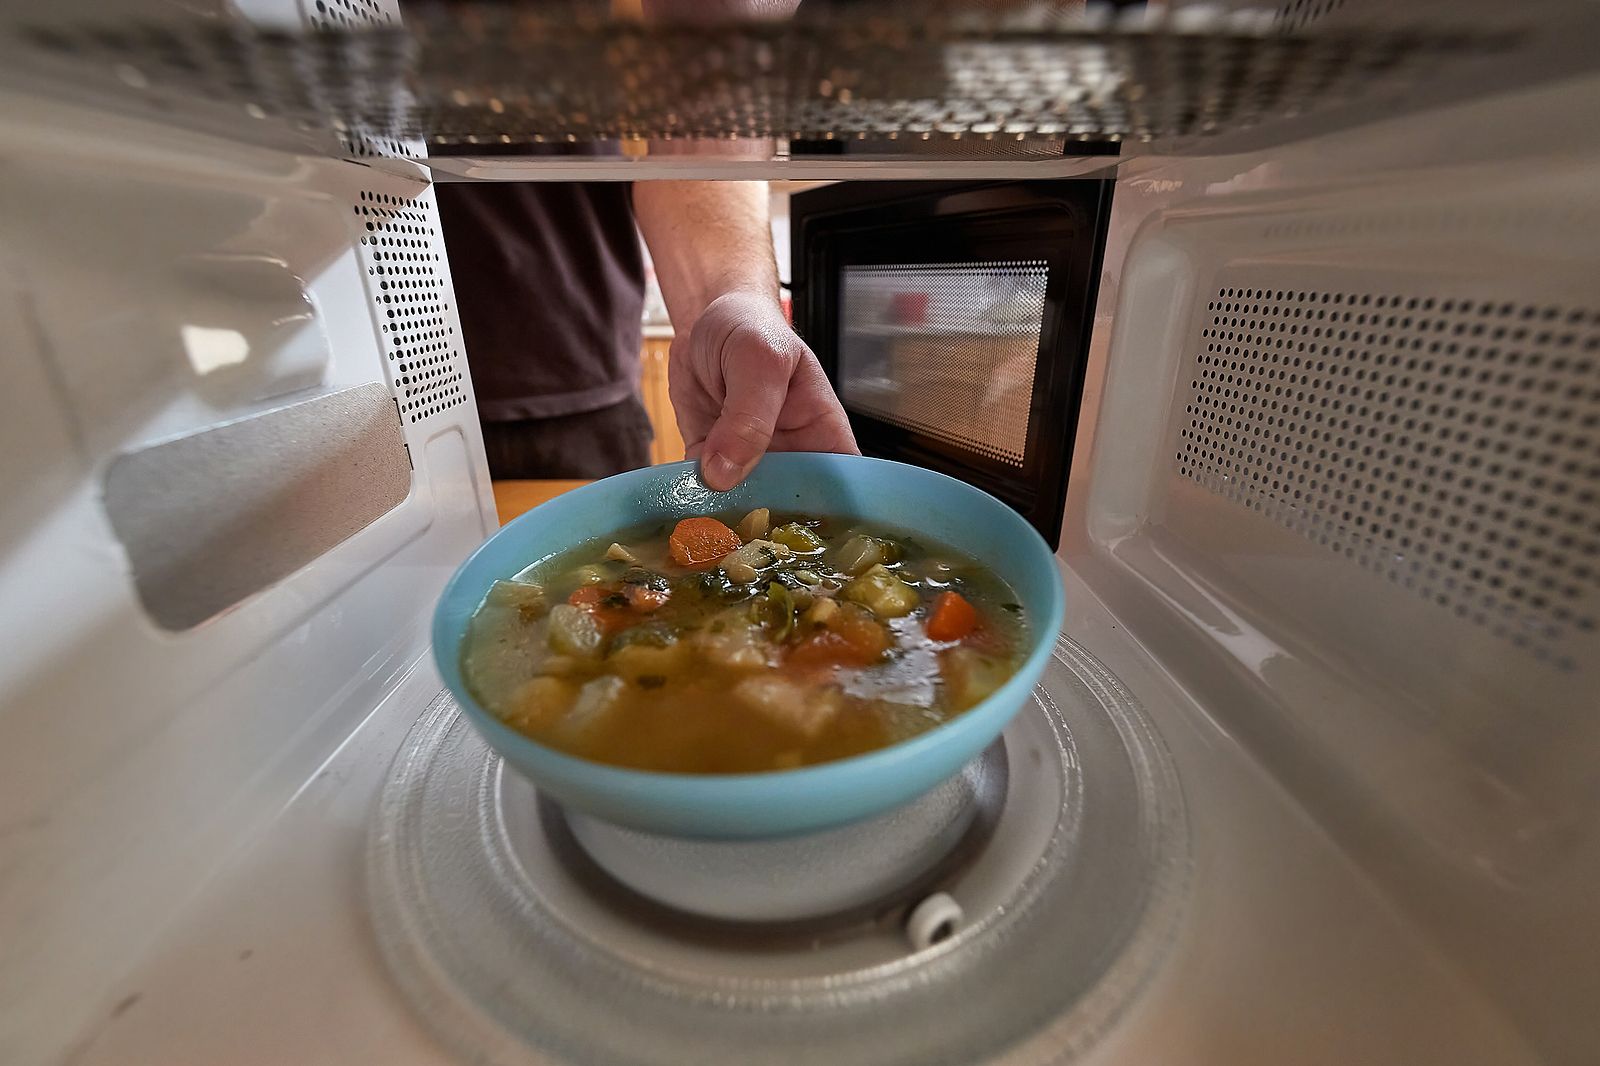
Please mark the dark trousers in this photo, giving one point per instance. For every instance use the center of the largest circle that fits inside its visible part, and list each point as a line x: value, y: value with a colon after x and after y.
x: 592, y: 444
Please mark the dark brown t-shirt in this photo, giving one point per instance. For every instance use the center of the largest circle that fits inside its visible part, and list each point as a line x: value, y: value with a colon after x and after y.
x: 549, y: 283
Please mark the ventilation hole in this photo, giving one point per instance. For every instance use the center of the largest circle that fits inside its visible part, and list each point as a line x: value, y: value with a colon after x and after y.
x: 412, y: 302
x: 1357, y: 499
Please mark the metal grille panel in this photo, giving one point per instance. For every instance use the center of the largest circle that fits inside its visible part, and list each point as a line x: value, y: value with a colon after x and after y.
x: 945, y: 349
x: 879, y: 74
x: 404, y: 259
x: 1297, y: 14
x: 359, y: 136
x: 1450, y: 445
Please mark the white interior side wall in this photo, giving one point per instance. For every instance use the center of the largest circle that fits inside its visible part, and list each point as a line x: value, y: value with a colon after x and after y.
x: 1369, y: 551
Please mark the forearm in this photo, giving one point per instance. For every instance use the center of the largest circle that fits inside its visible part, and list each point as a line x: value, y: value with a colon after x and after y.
x: 707, y: 238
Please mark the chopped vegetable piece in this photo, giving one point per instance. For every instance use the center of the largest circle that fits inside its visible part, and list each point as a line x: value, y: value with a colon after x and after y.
x: 540, y: 702
x: 763, y: 552
x: 787, y: 579
x: 638, y: 575
x: 859, y: 554
x: 591, y: 574
x: 745, y: 564
x: 821, y: 611
x: 636, y: 660
x: 564, y: 666
x: 952, y: 617
x: 802, y: 708
x: 797, y: 538
x: 972, y: 676
x: 808, y: 577
x: 515, y: 594
x: 881, y: 592
x: 526, y: 599
x: 596, y: 700
x: 620, y: 554
x: 575, y: 631
x: 697, y: 543
x: 733, y: 641
x: 650, y: 634
x: 755, y: 524
x: 644, y: 599
x: 610, y: 609
x: 739, y: 571
x: 775, y: 611
x: 849, y: 637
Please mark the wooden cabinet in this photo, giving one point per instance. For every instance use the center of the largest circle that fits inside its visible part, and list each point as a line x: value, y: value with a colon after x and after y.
x: 668, y: 445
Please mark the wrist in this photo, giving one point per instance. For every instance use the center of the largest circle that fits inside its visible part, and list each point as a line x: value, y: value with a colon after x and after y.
x: 734, y: 304
x: 752, y: 294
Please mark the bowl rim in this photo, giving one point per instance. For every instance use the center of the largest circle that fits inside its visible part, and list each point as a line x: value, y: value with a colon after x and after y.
x: 1004, y: 701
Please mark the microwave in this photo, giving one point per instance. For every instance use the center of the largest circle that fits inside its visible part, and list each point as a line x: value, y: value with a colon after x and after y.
x: 1280, y: 324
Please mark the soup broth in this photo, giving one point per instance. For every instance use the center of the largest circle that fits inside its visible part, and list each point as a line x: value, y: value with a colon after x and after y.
x: 730, y: 644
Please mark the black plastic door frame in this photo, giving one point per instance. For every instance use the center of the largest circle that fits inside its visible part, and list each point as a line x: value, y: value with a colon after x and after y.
x: 1061, y: 222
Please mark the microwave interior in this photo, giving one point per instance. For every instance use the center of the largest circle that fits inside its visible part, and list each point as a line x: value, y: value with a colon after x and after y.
x: 1278, y: 323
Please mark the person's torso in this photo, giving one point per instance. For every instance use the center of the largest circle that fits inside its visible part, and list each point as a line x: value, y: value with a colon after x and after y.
x: 549, y: 283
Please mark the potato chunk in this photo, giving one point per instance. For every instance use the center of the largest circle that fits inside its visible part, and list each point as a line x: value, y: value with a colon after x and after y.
x: 540, y: 702
x: 527, y: 598
x: 647, y: 660
x: 882, y: 593
x: 755, y: 524
x: 596, y: 700
x: 575, y: 632
x: 802, y: 708
x: 860, y: 553
x: 971, y: 676
x: 732, y: 640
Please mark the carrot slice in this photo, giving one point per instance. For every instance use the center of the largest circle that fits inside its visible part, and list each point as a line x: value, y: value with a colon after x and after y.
x: 698, y: 542
x: 606, y: 606
x: 850, y: 639
x: 952, y: 617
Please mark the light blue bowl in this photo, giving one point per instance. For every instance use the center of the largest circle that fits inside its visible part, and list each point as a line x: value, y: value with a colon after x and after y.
x: 785, y: 801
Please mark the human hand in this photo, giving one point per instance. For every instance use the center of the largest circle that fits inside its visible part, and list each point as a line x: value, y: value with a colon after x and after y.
x: 743, y: 383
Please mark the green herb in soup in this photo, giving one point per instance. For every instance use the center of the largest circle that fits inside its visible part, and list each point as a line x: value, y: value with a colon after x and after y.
x: 757, y: 643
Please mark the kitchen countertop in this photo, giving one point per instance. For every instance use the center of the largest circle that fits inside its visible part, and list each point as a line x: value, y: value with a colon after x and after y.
x: 512, y: 498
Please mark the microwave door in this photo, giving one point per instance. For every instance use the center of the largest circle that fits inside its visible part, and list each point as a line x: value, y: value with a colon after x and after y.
x: 953, y: 319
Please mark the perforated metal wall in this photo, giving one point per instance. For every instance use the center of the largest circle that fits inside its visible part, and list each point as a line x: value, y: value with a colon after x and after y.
x: 946, y: 349
x: 360, y: 137
x: 1450, y: 444
x: 403, y: 256
x: 349, y: 14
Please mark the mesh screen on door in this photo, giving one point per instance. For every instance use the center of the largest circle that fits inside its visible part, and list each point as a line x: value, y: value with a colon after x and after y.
x: 945, y: 349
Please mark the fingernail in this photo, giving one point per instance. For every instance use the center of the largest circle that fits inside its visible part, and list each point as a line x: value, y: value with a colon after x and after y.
x: 720, y: 471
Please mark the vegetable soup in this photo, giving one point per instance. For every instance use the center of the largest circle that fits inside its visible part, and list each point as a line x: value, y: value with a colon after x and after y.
x: 735, y: 644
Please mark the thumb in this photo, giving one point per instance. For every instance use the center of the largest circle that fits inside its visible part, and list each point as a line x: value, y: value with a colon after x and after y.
x: 756, y: 381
